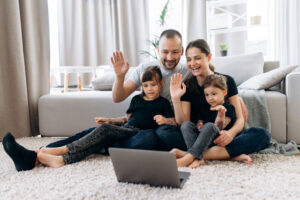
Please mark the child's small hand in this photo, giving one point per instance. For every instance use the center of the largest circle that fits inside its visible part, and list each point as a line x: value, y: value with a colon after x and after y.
x: 101, y: 120
x: 221, y: 110
x: 199, y: 124
x: 160, y: 120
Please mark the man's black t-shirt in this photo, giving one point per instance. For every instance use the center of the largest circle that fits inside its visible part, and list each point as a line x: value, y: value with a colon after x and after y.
x: 143, y: 112
x: 200, y: 109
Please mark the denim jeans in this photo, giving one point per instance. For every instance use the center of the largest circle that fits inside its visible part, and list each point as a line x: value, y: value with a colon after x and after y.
x: 249, y: 141
x: 144, y: 139
x: 101, y: 137
x: 197, y: 142
x: 169, y: 137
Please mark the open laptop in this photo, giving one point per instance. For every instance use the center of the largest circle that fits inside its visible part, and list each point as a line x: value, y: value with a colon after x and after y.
x: 155, y: 168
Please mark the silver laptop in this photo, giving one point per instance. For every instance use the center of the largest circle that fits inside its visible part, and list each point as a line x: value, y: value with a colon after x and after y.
x: 155, y: 168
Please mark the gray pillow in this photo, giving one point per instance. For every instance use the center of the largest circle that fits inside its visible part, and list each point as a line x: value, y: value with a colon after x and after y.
x: 268, y: 79
x: 240, y: 67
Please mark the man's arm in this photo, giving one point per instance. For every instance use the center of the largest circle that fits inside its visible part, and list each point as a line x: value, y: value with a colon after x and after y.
x: 120, y: 89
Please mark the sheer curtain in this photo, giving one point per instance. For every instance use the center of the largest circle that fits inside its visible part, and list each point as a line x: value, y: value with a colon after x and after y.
x: 24, y: 64
x: 90, y: 30
x: 287, y: 32
x: 196, y: 20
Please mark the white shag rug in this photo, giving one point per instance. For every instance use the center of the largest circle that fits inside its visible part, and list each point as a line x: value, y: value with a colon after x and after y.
x: 270, y: 177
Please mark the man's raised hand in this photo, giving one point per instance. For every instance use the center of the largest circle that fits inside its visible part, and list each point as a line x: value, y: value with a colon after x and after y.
x: 120, y: 65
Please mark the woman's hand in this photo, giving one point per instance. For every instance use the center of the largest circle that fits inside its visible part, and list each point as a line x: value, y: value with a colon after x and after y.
x: 223, y: 139
x: 176, y: 90
x: 120, y: 65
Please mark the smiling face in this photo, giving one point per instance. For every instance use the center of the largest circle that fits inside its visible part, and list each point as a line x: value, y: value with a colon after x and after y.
x: 214, y: 95
x: 151, y: 89
x: 170, y: 51
x: 197, y: 61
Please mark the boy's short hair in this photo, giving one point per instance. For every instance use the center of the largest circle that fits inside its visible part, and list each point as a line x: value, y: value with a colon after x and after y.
x: 171, y: 33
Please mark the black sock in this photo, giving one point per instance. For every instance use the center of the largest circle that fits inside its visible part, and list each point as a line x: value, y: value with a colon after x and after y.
x: 23, y: 158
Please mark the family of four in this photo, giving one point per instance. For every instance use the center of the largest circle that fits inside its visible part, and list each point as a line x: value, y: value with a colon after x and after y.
x: 186, y: 108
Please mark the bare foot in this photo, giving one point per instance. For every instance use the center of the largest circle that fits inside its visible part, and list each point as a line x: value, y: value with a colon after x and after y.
x: 51, y: 160
x: 55, y: 151
x: 243, y: 158
x: 185, y: 160
x: 196, y: 163
x: 179, y: 153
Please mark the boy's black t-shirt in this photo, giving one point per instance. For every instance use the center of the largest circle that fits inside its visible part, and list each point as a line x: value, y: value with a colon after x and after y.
x: 143, y: 112
x: 199, y: 106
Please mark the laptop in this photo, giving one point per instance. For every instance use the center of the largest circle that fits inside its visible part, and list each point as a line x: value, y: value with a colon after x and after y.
x: 156, y: 168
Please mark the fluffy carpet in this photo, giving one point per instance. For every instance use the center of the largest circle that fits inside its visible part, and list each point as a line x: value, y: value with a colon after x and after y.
x: 270, y: 177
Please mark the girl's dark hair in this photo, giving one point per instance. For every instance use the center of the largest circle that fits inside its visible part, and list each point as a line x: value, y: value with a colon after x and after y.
x: 202, y: 45
x: 152, y: 72
x: 215, y: 80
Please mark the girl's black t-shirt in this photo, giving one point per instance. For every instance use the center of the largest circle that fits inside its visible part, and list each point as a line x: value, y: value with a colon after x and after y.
x: 200, y: 109
x: 143, y: 112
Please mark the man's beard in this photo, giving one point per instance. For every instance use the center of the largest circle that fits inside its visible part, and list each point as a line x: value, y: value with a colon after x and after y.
x: 168, y: 67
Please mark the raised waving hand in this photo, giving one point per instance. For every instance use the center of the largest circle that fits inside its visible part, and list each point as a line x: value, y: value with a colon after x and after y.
x: 120, y: 65
x: 177, y: 87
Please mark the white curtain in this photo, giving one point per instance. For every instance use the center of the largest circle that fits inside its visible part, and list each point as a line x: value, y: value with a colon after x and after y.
x: 196, y: 20
x: 90, y: 30
x: 24, y: 64
x: 287, y: 32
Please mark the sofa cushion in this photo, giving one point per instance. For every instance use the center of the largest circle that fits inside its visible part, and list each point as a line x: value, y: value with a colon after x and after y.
x: 268, y: 79
x: 241, y: 67
x: 106, y: 79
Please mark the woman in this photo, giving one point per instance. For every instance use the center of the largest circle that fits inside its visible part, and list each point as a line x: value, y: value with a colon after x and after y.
x: 190, y: 104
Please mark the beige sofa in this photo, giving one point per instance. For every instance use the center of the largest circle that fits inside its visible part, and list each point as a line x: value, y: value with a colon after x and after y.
x: 69, y: 113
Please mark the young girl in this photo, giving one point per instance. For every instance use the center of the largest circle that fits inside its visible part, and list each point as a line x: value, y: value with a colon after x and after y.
x: 146, y: 111
x: 199, y: 137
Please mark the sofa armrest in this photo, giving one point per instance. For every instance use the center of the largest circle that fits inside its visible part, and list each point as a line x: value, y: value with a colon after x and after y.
x: 293, y: 106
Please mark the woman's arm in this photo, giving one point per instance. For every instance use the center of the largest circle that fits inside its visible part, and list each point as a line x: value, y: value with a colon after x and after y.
x: 182, y: 110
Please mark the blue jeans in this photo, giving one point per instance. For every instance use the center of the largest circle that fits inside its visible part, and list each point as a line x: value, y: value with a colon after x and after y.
x: 170, y: 137
x: 249, y: 141
x: 145, y: 139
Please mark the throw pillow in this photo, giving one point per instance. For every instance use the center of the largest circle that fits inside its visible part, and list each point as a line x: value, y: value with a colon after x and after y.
x: 268, y: 79
x: 241, y: 67
x: 106, y: 79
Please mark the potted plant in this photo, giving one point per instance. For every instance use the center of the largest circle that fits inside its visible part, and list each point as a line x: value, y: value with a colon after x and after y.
x: 224, y: 49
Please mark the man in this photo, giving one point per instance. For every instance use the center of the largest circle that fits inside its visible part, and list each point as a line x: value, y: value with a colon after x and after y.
x: 170, y: 51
